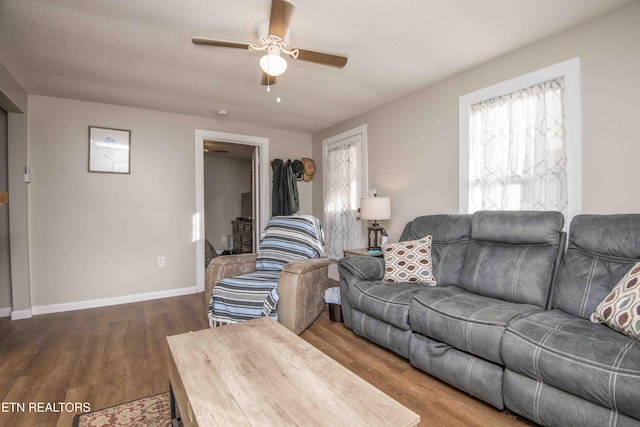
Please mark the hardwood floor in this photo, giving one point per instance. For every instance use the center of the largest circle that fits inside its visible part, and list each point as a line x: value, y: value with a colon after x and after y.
x: 437, y: 403
x: 102, y: 356
x: 110, y: 355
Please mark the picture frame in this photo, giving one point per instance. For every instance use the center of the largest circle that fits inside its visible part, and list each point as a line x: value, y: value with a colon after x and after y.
x: 109, y: 150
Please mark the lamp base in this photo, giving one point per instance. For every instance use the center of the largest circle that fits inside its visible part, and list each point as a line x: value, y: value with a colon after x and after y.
x: 375, y: 236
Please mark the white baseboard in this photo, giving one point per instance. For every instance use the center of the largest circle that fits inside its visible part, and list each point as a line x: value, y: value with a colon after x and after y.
x: 21, y: 314
x: 103, y: 302
x: 5, y: 311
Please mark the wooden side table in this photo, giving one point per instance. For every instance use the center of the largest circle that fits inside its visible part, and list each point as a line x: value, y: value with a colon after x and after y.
x: 361, y: 252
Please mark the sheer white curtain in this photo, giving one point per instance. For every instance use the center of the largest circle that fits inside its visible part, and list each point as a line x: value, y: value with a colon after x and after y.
x: 517, y: 153
x: 341, y: 197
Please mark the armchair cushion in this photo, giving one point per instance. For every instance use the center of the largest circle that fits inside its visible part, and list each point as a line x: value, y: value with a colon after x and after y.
x: 287, y: 239
x: 244, y: 297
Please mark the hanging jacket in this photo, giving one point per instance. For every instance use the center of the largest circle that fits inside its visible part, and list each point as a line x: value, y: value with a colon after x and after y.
x: 284, y: 195
x: 277, y: 190
x: 292, y: 190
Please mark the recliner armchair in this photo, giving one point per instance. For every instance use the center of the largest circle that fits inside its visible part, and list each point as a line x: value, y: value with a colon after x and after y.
x: 290, y: 250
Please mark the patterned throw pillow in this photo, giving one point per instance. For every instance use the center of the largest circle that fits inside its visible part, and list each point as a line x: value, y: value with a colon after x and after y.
x: 620, y: 310
x: 409, y: 262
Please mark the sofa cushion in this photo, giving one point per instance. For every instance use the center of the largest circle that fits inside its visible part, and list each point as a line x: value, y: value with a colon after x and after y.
x: 382, y: 333
x: 549, y: 406
x: 620, y: 310
x: 573, y: 354
x: 512, y: 255
x: 386, y: 301
x: 469, y: 373
x: 408, y: 261
x: 469, y: 322
x: 450, y: 238
x: 601, y: 250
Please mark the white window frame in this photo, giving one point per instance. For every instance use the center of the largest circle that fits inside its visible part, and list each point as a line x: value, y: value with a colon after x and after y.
x: 570, y: 71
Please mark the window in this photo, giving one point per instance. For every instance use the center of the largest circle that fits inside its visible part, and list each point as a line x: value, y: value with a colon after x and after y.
x: 344, y: 158
x: 520, y: 144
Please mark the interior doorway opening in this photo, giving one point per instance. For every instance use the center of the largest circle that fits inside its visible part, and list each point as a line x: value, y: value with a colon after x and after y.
x: 229, y: 149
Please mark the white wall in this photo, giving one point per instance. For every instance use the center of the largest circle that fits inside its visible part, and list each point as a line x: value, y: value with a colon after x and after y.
x: 225, y: 179
x: 413, y: 141
x: 97, y: 236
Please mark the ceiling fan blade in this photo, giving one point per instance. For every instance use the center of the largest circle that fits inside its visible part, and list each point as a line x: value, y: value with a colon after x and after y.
x: 322, y: 58
x: 266, y: 79
x: 220, y: 43
x: 281, y: 14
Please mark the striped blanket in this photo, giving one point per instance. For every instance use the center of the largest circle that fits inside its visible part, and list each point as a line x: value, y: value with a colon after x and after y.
x: 285, y: 239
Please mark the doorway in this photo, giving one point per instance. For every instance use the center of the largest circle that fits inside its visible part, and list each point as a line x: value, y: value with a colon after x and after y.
x: 228, y: 191
x: 6, y: 302
x: 259, y: 148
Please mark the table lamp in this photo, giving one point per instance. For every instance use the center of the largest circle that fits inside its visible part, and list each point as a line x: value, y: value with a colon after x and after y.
x: 375, y: 208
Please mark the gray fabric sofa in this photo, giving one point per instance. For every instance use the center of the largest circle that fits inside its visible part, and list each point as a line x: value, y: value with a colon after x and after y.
x: 508, y: 321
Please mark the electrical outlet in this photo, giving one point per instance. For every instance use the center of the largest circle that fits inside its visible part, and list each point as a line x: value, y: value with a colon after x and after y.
x: 161, y: 262
x: 224, y: 239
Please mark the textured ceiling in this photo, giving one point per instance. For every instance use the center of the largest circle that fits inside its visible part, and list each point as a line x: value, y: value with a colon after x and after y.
x: 139, y: 52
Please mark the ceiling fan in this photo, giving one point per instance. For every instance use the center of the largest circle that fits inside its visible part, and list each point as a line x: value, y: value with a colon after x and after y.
x: 273, y: 39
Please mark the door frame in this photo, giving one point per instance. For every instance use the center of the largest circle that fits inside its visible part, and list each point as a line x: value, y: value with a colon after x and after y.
x: 263, y: 208
x: 361, y: 132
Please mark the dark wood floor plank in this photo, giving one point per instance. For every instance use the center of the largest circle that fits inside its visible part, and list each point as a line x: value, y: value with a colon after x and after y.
x: 110, y: 355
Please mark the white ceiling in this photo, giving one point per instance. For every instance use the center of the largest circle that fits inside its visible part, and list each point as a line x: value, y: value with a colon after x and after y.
x: 139, y: 52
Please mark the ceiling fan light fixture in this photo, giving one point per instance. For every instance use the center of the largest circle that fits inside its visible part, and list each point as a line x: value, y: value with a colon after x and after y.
x: 272, y: 64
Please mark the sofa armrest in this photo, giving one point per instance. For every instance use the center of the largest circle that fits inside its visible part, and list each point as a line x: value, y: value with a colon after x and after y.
x: 227, y: 266
x: 354, y: 270
x: 301, y: 287
x: 357, y: 269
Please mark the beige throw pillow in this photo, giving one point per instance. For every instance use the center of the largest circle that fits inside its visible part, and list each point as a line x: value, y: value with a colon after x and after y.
x: 620, y: 310
x: 409, y: 262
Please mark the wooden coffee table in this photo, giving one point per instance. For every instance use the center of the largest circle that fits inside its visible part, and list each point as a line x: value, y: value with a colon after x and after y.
x: 259, y: 373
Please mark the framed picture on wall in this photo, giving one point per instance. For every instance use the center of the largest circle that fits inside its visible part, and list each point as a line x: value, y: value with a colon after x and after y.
x: 109, y: 150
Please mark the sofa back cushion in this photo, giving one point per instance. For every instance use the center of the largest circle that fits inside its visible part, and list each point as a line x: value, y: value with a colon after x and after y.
x: 450, y: 235
x: 512, y: 255
x: 601, y: 250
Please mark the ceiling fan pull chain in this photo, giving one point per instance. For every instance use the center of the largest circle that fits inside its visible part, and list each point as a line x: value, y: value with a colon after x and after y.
x: 268, y: 77
x: 278, y: 83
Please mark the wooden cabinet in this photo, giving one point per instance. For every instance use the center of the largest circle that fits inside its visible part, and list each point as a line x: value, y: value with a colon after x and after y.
x: 242, y: 237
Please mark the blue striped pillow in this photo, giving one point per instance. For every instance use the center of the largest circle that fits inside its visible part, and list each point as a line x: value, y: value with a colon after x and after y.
x: 287, y: 239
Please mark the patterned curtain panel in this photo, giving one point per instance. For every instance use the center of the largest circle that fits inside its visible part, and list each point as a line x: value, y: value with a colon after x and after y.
x: 517, y: 155
x: 341, y: 198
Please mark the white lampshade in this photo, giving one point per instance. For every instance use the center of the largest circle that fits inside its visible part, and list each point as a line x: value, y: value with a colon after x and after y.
x: 375, y: 208
x: 274, y: 65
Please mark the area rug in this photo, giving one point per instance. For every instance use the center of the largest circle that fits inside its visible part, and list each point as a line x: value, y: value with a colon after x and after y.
x: 152, y: 411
